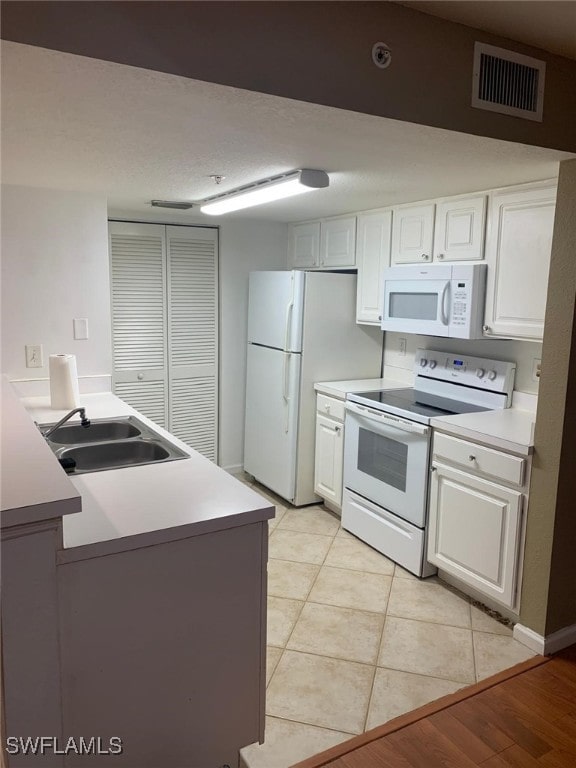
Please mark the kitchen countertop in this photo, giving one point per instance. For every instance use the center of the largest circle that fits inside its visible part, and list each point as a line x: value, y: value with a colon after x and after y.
x: 24, y: 456
x: 340, y: 389
x: 144, y: 505
x: 510, y: 429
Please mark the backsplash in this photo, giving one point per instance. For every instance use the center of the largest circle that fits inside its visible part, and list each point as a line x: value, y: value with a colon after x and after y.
x: 400, y: 366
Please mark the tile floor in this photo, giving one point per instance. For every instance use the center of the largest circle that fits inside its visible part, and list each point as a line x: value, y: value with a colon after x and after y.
x: 354, y: 640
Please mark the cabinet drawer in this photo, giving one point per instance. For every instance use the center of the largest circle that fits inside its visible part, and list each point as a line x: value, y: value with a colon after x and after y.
x: 329, y: 406
x: 476, y: 458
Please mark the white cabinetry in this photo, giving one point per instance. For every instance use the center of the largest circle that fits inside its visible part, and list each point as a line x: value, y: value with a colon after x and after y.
x: 518, y: 255
x: 475, y: 532
x: 326, y: 244
x: 329, y: 456
x: 372, y: 257
x: 338, y: 242
x: 412, y: 234
x: 304, y: 245
x: 450, y: 229
x: 459, y: 229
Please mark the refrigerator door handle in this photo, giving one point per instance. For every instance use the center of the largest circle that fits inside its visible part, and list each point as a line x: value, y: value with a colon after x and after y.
x: 285, y: 385
x: 288, y: 321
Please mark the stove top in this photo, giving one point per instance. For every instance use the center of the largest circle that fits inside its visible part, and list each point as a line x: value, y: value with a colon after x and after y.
x: 413, y: 404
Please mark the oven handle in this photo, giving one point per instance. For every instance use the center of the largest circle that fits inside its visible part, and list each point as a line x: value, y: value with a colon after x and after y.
x: 387, y: 419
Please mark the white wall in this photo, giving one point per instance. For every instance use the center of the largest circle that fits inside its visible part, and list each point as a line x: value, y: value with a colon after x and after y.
x: 54, y: 268
x: 397, y: 366
x: 244, y: 246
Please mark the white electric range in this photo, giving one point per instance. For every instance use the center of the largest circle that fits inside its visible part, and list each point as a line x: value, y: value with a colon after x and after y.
x: 387, y: 447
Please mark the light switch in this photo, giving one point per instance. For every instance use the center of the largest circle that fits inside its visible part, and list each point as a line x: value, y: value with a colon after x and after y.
x: 80, y: 327
x: 34, y: 357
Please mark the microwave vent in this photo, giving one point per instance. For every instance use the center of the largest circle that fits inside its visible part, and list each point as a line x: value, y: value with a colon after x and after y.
x: 508, y: 82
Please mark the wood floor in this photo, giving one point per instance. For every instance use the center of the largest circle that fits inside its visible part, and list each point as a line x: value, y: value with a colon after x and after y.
x: 521, y: 718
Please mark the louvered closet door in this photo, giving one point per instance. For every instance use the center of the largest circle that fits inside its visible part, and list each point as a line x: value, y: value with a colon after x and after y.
x: 192, y: 275
x: 139, y: 338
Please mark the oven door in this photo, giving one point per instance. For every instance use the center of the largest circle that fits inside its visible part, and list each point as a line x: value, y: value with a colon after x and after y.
x: 386, y: 461
x: 417, y: 306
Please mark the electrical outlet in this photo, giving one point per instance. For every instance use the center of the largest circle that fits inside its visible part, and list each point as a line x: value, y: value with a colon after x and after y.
x: 402, y: 347
x: 34, y: 356
x: 536, y: 365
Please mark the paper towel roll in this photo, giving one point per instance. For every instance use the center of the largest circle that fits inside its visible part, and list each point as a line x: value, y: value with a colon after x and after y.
x: 64, y: 394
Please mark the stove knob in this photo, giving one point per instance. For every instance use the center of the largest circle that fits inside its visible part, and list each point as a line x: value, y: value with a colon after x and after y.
x: 432, y: 364
x: 492, y: 375
x: 423, y: 362
x: 480, y: 372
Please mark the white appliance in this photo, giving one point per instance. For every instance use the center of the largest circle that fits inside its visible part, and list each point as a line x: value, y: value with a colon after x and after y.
x: 435, y: 300
x: 301, y: 329
x: 386, y: 451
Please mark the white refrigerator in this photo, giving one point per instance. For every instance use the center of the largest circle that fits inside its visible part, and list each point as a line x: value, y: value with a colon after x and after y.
x: 301, y: 329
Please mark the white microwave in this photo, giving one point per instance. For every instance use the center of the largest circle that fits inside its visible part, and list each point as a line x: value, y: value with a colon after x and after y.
x: 435, y: 300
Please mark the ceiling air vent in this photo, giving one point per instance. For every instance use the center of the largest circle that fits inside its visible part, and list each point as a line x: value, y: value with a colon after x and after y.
x: 508, y: 82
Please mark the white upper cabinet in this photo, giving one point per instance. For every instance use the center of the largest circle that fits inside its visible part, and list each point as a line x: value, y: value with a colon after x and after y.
x: 518, y: 249
x: 338, y: 242
x: 326, y: 244
x: 372, y: 257
x: 412, y: 234
x: 459, y: 229
x: 450, y: 229
x: 304, y: 245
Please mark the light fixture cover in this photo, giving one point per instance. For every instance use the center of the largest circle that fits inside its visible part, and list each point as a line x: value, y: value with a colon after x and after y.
x: 265, y: 191
x: 176, y: 204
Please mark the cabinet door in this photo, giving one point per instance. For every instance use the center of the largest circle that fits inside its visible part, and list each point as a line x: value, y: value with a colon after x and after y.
x: 518, y: 254
x: 304, y: 245
x: 338, y: 242
x: 412, y: 234
x: 474, y: 532
x: 372, y: 257
x: 459, y: 229
x: 329, y: 459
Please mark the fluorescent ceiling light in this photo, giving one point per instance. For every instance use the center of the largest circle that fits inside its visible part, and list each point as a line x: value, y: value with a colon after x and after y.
x: 274, y: 188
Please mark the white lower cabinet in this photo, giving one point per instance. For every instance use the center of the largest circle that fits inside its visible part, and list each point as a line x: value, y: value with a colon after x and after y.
x: 329, y: 456
x: 475, y: 524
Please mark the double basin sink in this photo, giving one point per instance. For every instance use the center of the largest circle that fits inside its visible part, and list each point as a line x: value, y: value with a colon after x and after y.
x: 109, y: 444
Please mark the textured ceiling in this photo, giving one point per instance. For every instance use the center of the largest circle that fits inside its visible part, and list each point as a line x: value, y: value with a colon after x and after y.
x: 70, y: 122
x: 549, y: 24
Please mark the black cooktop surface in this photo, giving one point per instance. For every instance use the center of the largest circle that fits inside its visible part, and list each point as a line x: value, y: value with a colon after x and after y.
x: 410, y: 402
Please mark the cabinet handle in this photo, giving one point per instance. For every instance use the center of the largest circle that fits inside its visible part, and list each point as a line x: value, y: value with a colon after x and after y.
x: 440, y: 255
x: 471, y: 458
x: 486, y: 329
x: 140, y: 376
x: 337, y: 429
x: 380, y: 318
x: 425, y: 256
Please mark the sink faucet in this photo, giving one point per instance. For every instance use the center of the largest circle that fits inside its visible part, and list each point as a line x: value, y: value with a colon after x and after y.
x: 83, y: 421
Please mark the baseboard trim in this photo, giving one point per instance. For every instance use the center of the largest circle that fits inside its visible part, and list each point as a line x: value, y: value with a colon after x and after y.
x: 234, y: 469
x: 545, y: 645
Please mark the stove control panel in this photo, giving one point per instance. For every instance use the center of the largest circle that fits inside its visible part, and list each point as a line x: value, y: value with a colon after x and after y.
x: 478, y: 372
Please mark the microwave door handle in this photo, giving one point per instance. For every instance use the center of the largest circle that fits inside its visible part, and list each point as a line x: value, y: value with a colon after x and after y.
x: 445, y: 305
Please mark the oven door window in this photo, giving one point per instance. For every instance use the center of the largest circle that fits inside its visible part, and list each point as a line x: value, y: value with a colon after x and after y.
x: 383, y: 458
x: 413, y: 306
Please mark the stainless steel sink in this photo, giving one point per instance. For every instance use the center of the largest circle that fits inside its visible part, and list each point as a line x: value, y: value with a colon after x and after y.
x: 120, y: 453
x: 108, y: 429
x: 110, y: 444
